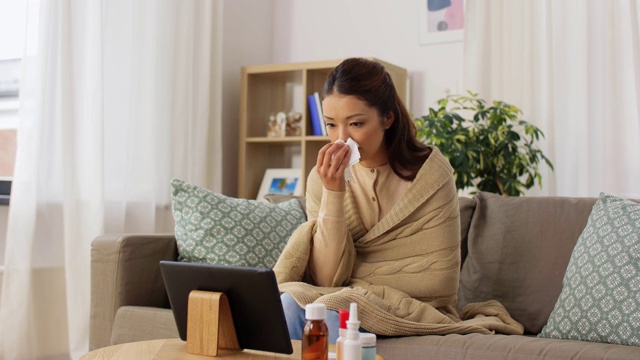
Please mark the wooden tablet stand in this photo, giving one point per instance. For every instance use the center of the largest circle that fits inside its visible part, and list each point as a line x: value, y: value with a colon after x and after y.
x: 209, y: 324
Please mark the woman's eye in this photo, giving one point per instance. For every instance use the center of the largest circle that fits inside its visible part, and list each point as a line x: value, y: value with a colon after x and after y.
x: 356, y: 124
x: 329, y: 125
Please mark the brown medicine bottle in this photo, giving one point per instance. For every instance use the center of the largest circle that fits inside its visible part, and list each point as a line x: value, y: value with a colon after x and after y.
x: 315, y: 335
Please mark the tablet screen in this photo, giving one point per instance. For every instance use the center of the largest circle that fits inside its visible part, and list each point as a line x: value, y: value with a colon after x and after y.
x: 253, y: 296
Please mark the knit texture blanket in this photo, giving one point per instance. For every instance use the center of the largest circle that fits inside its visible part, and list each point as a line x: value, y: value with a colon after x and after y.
x: 404, y: 271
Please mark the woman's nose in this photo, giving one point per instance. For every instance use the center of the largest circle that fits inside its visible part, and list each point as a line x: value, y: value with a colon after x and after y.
x: 343, y: 133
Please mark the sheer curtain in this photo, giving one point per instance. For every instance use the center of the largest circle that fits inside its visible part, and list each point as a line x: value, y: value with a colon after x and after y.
x: 115, y: 101
x: 573, y: 67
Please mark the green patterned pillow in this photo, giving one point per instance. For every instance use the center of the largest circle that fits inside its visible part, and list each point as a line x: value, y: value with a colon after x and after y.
x: 600, y: 297
x: 216, y: 229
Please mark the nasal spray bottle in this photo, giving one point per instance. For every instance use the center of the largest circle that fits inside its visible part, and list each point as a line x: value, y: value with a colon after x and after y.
x: 342, y: 332
x: 351, y: 348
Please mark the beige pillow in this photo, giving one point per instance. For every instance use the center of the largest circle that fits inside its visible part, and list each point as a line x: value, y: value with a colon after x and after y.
x: 519, y: 249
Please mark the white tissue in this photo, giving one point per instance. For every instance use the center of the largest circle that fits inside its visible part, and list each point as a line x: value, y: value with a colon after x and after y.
x: 355, y: 154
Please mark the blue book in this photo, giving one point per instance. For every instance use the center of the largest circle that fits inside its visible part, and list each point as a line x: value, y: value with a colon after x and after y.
x: 315, y: 116
x: 323, y: 125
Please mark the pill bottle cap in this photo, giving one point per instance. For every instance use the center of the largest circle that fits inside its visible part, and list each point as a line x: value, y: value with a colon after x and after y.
x: 367, y: 339
x: 344, y: 316
x: 316, y: 311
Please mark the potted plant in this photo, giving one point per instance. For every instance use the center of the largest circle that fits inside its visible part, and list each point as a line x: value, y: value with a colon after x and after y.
x: 492, y: 150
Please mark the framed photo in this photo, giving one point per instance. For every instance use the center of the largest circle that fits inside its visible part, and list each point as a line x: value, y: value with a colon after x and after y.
x: 440, y: 21
x: 281, y: 181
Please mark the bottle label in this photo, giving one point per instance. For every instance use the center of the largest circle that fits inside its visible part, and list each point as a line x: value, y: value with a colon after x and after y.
x: 369, y: 353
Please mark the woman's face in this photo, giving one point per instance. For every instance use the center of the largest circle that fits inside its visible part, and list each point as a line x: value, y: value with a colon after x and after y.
x: 347, y: 116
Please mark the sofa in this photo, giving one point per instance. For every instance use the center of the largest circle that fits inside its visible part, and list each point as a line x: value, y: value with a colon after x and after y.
x: 513, y: 249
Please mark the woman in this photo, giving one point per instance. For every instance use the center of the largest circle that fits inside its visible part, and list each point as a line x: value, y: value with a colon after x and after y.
x: 386, y: 236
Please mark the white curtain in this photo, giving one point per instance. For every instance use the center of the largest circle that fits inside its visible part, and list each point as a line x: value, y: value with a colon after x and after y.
x: 573, y: 67
x: 115, y: 101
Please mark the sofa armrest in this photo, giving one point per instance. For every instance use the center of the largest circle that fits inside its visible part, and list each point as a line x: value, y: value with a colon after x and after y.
x: 125, y: 271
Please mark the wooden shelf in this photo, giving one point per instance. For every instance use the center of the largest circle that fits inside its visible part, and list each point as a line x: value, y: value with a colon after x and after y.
x: 274, y: 140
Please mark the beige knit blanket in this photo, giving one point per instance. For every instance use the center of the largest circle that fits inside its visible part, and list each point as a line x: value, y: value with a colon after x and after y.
x: 403, y: 272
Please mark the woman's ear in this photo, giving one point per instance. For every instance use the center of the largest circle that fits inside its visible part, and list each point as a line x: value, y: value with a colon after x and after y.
x: 388, y: 120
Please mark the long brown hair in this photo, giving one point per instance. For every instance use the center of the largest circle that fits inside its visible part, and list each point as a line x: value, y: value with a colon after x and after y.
x: 369, y: 81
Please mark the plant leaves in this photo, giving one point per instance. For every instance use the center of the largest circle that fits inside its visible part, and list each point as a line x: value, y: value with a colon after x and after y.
x: 489, y: 147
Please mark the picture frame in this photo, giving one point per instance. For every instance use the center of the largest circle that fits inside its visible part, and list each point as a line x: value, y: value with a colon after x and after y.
x: 281, y: 181
x: 440, y: 21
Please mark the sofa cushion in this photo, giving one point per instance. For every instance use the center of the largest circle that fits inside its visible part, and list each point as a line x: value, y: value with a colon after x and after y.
x: 213, y: 228
x: 519, y: 249
x: 467, y: 207
x: 600, y: 298
x: 139, y: 323
x: 492, y: 347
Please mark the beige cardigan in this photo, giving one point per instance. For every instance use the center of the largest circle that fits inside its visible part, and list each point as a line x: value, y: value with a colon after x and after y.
x: 403, y: 272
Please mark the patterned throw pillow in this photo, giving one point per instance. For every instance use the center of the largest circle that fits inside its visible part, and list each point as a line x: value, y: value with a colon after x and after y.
x: 600, y: 298
x: 216, y: 229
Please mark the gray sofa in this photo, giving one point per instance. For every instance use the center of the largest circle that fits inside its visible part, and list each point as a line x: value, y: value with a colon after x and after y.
x: 514, y: 250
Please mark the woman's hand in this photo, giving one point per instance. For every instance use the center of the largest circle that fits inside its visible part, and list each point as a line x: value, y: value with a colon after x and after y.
x: 333, y: 159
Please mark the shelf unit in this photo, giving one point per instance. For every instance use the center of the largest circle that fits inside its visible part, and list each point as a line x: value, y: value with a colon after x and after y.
x: 271, y: 88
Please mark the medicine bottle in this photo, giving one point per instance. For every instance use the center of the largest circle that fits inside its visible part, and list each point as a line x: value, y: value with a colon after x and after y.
x: 351, y: 348
x: 368, y: 342
x: 342, y: 334
x: 315, y: 335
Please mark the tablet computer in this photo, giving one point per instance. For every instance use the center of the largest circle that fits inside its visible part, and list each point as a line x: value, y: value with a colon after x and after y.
x: 253, y: 296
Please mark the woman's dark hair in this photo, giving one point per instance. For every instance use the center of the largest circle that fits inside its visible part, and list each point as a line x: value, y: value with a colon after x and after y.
x: 369, y: 81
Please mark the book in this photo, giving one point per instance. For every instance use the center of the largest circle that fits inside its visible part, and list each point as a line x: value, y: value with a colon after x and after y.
x: 323, y: 125
x: 314, y: 111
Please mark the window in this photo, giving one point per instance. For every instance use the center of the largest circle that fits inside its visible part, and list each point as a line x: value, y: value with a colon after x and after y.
x: 5, y: 190
x: 12, y: 38
x: 9, y: 90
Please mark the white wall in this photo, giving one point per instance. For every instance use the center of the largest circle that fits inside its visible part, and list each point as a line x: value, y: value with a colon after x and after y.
x: 247, y: 40
x: 311, y: 30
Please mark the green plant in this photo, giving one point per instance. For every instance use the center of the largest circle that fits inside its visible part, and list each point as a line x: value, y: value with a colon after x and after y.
x: 494, y: 150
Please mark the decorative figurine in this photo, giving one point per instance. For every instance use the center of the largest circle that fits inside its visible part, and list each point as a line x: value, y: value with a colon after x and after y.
x: 294, y: 123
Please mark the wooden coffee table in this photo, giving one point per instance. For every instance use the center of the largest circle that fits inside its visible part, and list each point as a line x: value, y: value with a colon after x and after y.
x: 172, y: 349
